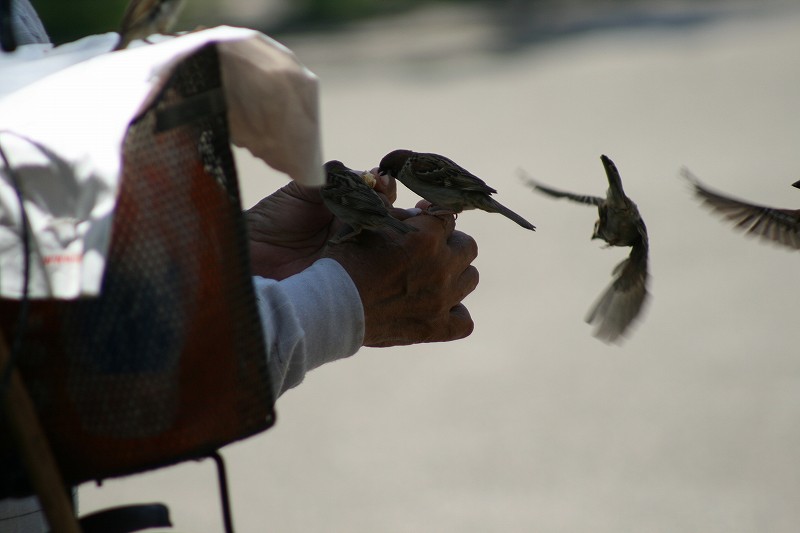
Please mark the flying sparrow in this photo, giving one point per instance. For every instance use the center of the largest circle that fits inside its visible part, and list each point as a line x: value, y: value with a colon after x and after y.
x: 352, y: 201
x: 619, y: 224
x: 781, y: 226
x: 449, y: 187
x: 146, y: 17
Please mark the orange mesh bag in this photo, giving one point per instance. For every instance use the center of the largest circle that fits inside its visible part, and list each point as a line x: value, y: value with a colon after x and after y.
x: 168, y: 363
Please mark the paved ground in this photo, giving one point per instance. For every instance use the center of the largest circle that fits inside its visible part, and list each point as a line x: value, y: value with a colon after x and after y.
x: 531, y: 424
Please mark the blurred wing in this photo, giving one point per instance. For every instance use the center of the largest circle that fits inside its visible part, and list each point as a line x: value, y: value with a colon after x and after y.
x: 622, y: 302
x: 581, y: 198
x: 643, y: 232
x: 778, y: 225
x: 439, y: 170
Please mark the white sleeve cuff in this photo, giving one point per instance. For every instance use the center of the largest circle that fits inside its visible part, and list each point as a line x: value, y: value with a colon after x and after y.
x: 308, y: 319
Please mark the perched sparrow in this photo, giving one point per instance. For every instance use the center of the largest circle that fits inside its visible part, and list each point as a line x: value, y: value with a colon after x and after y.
x: 146, y: 17
x: 777, y: 225
x: 352, y: 201
x: 619, y: 225
x: 450, y: 188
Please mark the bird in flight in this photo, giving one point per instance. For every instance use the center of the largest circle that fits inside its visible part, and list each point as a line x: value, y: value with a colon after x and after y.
x: 781, y: 226
x: 619, y: 224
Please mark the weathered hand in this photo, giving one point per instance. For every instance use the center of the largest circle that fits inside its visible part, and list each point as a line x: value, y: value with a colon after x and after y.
x: 290, y: 228
x: 412, y: 285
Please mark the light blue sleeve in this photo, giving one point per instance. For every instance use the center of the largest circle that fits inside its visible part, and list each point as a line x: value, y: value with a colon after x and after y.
x: 309, y: 319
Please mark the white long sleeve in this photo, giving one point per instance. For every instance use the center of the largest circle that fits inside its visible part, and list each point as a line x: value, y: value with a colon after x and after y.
x: 309, y: 319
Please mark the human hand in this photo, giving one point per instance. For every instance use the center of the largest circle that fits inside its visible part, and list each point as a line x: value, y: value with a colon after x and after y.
x: 412, y: 285
x: 290, y: 228
x: 347, y: 195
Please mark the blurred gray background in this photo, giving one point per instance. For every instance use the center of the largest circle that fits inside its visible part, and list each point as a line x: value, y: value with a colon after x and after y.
x: 531, y: 424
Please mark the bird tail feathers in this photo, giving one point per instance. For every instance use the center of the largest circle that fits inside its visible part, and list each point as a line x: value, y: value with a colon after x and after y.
x: 496, y: 207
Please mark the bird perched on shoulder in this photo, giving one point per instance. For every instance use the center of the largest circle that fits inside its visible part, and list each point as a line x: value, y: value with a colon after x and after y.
x: 449, y: 187
x: 781, y: 226
x: 619, y: 224
x: 146, y: 17
x: 352, y: 201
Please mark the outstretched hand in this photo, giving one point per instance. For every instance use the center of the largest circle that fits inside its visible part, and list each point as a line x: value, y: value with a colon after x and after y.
x: 290, y: 228
x: 288, y: 231
x: 411, y: 285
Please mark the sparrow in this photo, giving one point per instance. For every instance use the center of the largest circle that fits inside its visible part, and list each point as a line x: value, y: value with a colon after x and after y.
x: 146, y: 17
x: 619, y: 224
x: 352, y: 201
x: 449, y: 187
x: 781, y: 226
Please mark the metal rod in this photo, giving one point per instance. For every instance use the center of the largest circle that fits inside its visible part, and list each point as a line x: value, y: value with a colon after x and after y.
x: 227, y: 516
x: 35, y: 452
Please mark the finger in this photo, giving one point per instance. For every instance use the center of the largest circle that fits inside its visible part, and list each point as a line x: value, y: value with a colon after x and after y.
x: 449, y: 224
x: 464, y: 246
x: 460, y: 324
x: 438, y: 223
x: 385, y: 199
x: 468, y: 281
x: 385, y: 185
x: 423, y: 204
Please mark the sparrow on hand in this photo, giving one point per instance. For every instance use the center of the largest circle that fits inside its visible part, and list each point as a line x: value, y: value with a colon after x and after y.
x: 352, y: 201
x: 619, y: 224
x: 781, y: 226
x: 146, y: 17
x: 450, y: 188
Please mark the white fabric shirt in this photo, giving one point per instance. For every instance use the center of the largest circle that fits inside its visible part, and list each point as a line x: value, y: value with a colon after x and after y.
x: 309, y: 319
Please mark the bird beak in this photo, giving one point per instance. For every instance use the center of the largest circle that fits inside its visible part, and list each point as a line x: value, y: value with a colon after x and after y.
x: 796, y: 184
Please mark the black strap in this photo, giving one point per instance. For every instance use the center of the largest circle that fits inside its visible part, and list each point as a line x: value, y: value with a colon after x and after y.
x: 192, y: 108
x: 7, y: 39
x: 126, y: 519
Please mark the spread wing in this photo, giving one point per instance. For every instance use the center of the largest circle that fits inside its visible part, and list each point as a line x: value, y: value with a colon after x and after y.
x: 541, y: 187
x: 781, y: 226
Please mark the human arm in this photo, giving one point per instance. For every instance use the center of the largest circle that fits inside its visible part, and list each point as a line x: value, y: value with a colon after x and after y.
x: 397, y: 289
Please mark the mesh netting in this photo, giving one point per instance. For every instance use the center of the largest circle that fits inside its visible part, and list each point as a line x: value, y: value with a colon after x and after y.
x: 168, y: 363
